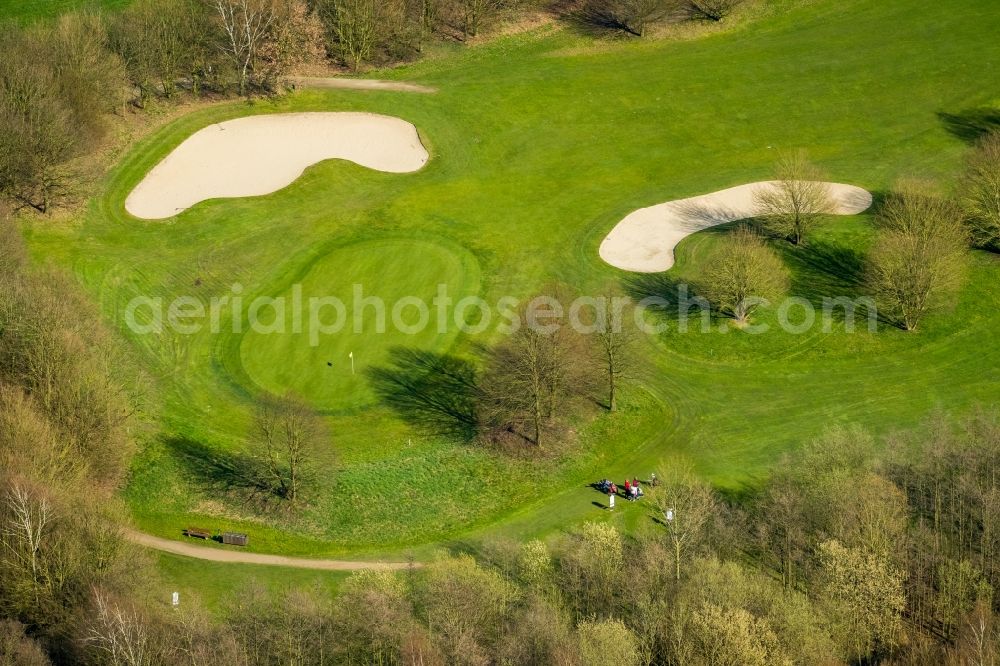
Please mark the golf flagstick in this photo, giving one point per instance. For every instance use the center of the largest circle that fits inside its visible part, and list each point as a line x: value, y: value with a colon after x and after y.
x: 352, y: 362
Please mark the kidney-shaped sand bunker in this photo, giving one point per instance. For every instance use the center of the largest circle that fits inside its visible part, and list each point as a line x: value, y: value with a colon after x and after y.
x: 261, y: 154
x: 644, y: 241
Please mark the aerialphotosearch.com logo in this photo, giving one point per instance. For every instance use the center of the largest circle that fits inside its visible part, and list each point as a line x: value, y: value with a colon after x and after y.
x: 318, y: 317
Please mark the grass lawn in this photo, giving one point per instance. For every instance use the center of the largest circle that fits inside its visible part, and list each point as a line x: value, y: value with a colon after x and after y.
x: 540, y: 143
x: 320, y: 369
x: 33, y: 10
x: 210, y: 584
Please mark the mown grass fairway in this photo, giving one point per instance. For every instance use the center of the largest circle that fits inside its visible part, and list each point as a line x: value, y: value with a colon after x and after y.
x: 540, y: 143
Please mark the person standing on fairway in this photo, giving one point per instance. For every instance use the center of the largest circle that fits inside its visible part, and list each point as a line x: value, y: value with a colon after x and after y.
x: 611, y: 501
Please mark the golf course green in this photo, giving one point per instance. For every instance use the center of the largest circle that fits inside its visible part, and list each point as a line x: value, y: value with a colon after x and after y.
x: 290, y: 361
x: 540, y: 143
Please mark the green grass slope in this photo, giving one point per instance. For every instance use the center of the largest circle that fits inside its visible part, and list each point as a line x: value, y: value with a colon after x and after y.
x: 540, y: 143
x: 33, y: 10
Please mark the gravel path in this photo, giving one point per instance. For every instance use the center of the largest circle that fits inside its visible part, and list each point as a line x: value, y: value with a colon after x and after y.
x: 239, y: 557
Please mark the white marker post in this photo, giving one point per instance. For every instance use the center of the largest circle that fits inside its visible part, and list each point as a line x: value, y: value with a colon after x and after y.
x: 352, y: 362
x: 175, y: 599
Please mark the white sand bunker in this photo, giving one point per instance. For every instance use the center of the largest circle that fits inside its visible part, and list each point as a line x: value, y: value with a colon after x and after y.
x: 262, y: 154
x: 644, y: 241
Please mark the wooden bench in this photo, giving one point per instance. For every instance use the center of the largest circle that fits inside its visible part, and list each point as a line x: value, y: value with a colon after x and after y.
x: 198, y: 533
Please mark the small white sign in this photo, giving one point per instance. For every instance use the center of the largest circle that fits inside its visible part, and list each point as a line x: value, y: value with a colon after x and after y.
x: 175, y: 599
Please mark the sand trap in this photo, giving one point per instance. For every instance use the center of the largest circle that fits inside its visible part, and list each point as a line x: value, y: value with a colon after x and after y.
x: 644, y: 241
x: 262, y: 154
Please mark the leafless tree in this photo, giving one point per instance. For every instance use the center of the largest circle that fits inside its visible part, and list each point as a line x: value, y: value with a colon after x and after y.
x: 516, y: 383
x: 476, y: 14
x: 356, y: 25
x: 529, y: 378
x: 162, y: 42
x: 686, y: 507
x: 17, y: 649
x: 794, y: 203
x: 56, y: 83
x: 742, y: 273
x: 287, y: 434
x: 918, y: 260
x: 22, y: 533
x: 246, y: 25
x: 980, y: 192
x: 120, y: 634
x: 37, y: 135
x: 616, y: 340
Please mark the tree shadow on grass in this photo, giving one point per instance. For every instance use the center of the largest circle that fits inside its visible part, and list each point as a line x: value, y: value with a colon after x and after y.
x: 597, y: 19
x: 227, y: 473
x: 596, y: 22
x: 831, y: 277
x: 971, y: 124
x: 668, y: 297
x: 823, y: 269
x: 434, y: 392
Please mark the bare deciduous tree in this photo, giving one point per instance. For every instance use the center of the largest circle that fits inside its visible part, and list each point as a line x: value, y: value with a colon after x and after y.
x: 516, y: 383
x: 980, y: 192
x: 528, y: 379
x: 161, y: 42
x: 476, y: 14
x: 918, y: 260
x: 287, y: 434
x: 18, y: 649
x: 686, y: 507
x: 616, y: 339
x: 37, y: 134
x: 355, y: 25
x: 56, y: 83
x: 799, y: 196
x: 27, y: 519
x: 743, y: 273
x: 259, y: 37
x: 120, y: 634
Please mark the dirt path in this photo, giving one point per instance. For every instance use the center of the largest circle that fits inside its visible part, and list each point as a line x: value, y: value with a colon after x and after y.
x: 359, y: 84
x: 220, y: 555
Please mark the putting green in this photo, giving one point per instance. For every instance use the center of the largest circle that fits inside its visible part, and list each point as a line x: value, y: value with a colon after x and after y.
x: 311, y: 355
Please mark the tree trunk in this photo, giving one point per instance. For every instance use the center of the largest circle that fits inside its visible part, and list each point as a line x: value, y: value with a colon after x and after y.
x: 538, y: 421
x: 612, y: 395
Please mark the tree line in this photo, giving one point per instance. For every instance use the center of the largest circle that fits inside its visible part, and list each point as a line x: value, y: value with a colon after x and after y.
x: 60, y: 80
x: 70, y: 406
x: 842, y: 557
